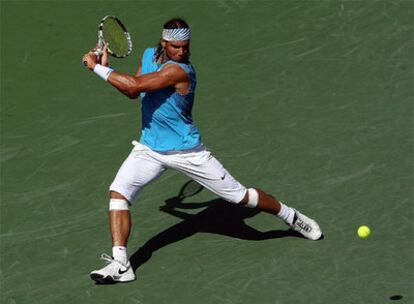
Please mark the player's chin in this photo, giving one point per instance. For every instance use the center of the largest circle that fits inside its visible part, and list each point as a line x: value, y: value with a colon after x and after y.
x: 180, y: 59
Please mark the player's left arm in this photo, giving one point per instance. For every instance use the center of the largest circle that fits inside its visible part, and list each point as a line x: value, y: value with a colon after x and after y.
x: 132, y: 86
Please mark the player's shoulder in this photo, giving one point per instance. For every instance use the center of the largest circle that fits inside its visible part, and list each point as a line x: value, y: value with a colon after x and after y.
x: 174, y: 71
x: 174, y: 67
x: 149, y: 52
x: 179, y: 66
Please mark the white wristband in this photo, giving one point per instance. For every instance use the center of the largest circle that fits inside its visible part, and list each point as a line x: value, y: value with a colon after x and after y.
x: 102, y: 71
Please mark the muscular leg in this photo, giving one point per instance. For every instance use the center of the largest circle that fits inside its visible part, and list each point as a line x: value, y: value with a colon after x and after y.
x: 136, y: 172
x: 218, y: 180
x: 297, y: 221
x: 119, y: 222
x: 267, y: 203
x: 118, y: 268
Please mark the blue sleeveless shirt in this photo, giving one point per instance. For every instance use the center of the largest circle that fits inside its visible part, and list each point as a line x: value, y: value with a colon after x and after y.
x: 167, y: 123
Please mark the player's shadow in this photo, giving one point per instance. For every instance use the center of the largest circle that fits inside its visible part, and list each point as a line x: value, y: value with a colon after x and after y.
x: 218, y: 217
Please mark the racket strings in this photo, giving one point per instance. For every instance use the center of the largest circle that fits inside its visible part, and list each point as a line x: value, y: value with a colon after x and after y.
x: 115, y: 35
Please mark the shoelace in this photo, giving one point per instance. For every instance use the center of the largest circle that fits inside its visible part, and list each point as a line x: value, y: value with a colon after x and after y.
x: 106, y: 258
x: 304, y: 226
x: 301, y: 224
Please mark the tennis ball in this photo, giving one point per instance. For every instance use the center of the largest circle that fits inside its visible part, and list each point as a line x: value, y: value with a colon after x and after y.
x: 364, y: 232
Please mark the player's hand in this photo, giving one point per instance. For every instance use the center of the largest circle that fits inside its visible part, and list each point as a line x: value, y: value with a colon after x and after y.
x: 90, y: 60
x: 105, y: 55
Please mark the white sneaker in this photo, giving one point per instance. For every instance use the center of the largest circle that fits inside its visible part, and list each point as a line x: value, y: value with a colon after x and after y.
x: 114, y: 272
x: 306, y: 226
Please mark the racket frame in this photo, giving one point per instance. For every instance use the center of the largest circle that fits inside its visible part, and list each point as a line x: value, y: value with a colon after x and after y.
x: 101, y: 40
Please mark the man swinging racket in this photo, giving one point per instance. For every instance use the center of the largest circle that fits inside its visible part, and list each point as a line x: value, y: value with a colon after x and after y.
x: 166, y: 82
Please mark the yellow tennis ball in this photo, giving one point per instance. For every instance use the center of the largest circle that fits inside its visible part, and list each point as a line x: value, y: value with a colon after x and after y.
x: 364, y: 232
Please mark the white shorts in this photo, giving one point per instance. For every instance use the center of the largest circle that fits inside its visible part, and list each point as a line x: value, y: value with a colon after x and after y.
x: 143, y: 165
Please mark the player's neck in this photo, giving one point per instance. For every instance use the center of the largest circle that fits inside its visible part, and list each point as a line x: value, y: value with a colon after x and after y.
x: 163, y: 58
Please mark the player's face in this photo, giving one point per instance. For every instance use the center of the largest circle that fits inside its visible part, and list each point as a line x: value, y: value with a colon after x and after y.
x: 177, y: 50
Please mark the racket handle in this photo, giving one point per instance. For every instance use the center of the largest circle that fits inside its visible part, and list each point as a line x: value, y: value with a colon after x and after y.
x: 98, y: 53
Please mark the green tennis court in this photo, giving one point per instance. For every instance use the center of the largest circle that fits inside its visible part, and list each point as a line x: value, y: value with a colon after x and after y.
x: 311, y: 101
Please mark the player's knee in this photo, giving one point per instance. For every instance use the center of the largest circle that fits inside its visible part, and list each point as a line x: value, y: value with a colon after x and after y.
x: 251, y: 198
x: 117, y: 201
x: 116, y: 195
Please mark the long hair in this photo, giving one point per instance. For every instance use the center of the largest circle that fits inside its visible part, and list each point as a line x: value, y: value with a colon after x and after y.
x: 174, y: 23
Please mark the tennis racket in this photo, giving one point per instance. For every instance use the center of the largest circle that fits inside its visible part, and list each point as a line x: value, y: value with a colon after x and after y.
x: 112, y: 31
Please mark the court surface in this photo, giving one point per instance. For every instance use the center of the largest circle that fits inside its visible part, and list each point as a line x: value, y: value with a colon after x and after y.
x: 311, y: 101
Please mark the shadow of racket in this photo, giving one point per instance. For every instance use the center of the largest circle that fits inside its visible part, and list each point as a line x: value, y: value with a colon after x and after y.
x: 189, y: 189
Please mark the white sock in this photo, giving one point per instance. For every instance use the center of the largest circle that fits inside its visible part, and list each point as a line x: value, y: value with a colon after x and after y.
x: 120, y: 254
x: 286, y: 213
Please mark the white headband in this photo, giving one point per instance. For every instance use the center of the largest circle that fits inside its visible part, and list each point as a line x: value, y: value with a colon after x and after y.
x: 180, y: 34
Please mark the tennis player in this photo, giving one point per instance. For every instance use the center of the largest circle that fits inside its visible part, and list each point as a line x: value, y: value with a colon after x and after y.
x: 166, y: 82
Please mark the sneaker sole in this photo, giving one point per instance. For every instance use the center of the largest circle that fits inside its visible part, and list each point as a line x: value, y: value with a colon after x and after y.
x: 300, y: 235
x: 100, y: 279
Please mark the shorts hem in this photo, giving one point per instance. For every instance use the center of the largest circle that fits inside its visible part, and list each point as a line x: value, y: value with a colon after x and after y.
x: 129, y: 198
